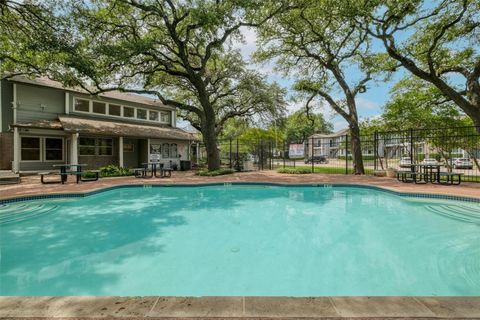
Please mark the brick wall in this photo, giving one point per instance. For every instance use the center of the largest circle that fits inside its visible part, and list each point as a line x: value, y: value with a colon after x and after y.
x: 6, y: 150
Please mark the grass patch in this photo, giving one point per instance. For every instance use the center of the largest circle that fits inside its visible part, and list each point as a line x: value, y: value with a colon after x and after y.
x: 214, y: 173
x: 325, y: 170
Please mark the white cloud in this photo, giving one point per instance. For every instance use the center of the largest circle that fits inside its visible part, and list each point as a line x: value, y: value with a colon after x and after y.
x: 366, y: 104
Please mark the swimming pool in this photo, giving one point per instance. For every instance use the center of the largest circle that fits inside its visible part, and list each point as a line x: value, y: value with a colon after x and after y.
x: 238, y: 240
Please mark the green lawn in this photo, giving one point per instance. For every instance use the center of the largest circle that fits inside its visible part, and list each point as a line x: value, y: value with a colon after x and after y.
x: 317, y: 169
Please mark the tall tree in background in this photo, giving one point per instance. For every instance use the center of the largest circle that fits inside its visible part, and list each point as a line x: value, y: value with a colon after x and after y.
x: 28, y: 38
x: 437, y: 41
x: 323, y: 48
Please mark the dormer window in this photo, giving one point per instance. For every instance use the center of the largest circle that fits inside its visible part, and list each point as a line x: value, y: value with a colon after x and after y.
x: 128, y: 112
x: 115, y: 110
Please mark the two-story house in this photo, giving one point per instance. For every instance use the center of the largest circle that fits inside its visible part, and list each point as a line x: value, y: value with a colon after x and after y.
x: 329, y: 145
x: 43, y: 123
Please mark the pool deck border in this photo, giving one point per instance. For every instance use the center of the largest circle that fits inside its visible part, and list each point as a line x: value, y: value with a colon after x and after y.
x: 95, y: 191
x: 240, y: 307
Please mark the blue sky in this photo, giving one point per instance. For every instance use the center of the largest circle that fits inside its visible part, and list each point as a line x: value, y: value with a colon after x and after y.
x: 369, y: 104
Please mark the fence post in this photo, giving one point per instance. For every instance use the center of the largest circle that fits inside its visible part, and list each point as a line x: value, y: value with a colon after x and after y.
x: 411, y: 147
x: 283, y: 154
x: 375, y: 150
x: 238, y: 158
x: 230, y: 160
x: 313, y: 163
x: 346, y: 154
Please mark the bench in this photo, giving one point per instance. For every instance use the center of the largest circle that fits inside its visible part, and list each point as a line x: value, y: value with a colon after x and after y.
x: 450, y: 178
x: 50, y: 173
x: 141, y: 173
x: 406, y: 175
x: 167, y: 172
x: 94, y: 178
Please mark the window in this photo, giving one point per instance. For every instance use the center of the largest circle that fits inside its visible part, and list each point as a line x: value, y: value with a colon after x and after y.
x: 95, y: 147
x: 165, y: 117
x: 128, y: 112
x: 165, y: 151
x: 99, y: 107
x: 142, y: 114
x: 82, y: 105
x: 153, y: 115
x: 173, y: 150
x: 105, y: 147
x: 53, y: 149
x: 87, y: 146
x: 114, y: 110
x: 30, y: 149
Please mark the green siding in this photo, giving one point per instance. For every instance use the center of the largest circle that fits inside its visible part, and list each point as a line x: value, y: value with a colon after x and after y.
x: 39, y: 103
x: 6, y: 105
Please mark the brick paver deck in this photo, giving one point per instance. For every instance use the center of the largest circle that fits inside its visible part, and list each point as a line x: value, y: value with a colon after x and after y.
x: 31, y: 185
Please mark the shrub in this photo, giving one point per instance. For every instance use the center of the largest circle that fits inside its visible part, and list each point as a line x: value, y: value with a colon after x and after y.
x: 114, y: 171
x: 299, y: 170
x: 214, y: 173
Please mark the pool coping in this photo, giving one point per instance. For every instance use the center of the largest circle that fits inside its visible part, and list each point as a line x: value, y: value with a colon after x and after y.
x: 241, y: 307
x: 95, y: 191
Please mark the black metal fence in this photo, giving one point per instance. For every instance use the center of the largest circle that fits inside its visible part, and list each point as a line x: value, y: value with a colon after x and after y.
x: 455, y: 149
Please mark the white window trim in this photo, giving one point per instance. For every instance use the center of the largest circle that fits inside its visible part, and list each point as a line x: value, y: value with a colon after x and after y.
x: 43, y: 149
x: 122, y: 113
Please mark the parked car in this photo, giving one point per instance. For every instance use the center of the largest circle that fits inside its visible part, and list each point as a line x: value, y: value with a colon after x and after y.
x: 405, y: 162
x: 317, y: 159
x: 430, y: 161
x: 463, y: 163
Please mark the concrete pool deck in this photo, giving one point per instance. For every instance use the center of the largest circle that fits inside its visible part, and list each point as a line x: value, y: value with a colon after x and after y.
x: 30, y: 185
x: 238, y: 307
x: 241, y: 307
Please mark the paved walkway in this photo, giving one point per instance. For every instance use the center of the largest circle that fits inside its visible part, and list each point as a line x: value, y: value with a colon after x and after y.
x: 31, y: 185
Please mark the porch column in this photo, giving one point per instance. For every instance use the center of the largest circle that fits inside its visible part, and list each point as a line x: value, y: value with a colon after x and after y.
x: 120, y: 151
x: 16, y: 150
x: 198, y: 152
x: 74, y: 148
x: 148, y: 150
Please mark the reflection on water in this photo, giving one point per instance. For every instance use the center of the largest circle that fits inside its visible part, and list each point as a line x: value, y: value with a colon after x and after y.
x: 240, y: 240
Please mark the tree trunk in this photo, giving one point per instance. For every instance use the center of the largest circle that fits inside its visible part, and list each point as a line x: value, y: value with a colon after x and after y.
x: 210, y: 140
x: 356, y: 150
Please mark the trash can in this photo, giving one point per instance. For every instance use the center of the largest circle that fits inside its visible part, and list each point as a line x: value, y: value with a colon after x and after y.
x: 185, y: 165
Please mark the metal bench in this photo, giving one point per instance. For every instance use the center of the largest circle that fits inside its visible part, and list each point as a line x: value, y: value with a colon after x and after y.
x: 166, y: 172
x: 50, y: 173
x: 450, y: 178
x: 95, y: 178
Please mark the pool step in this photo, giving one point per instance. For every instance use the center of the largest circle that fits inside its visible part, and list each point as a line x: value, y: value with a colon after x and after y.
x: 457, y: 212
x: 18, y: 213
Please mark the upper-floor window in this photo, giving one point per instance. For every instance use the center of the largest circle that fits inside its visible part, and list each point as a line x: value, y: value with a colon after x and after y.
x: 153, y: 115
x: 117, y: 110
x: 142, y: 114
x: 99, y: 107
x: 128, y: 112
x: 165, y: 117
x: 82, y: 105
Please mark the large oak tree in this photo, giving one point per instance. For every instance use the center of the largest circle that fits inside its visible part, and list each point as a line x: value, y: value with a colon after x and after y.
x: 437, y: 41
x: 329, y: 55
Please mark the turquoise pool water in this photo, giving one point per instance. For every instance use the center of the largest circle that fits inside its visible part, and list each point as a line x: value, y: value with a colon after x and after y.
x: 240, y: 240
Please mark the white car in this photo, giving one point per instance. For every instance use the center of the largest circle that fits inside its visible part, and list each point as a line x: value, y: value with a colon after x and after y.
x: 430, y: 161
x: 405, y: 162
x: 463, y: 163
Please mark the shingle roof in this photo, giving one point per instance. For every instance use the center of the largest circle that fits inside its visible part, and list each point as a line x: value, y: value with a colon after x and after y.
x: 130, y: 97
x: 108, y: 128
